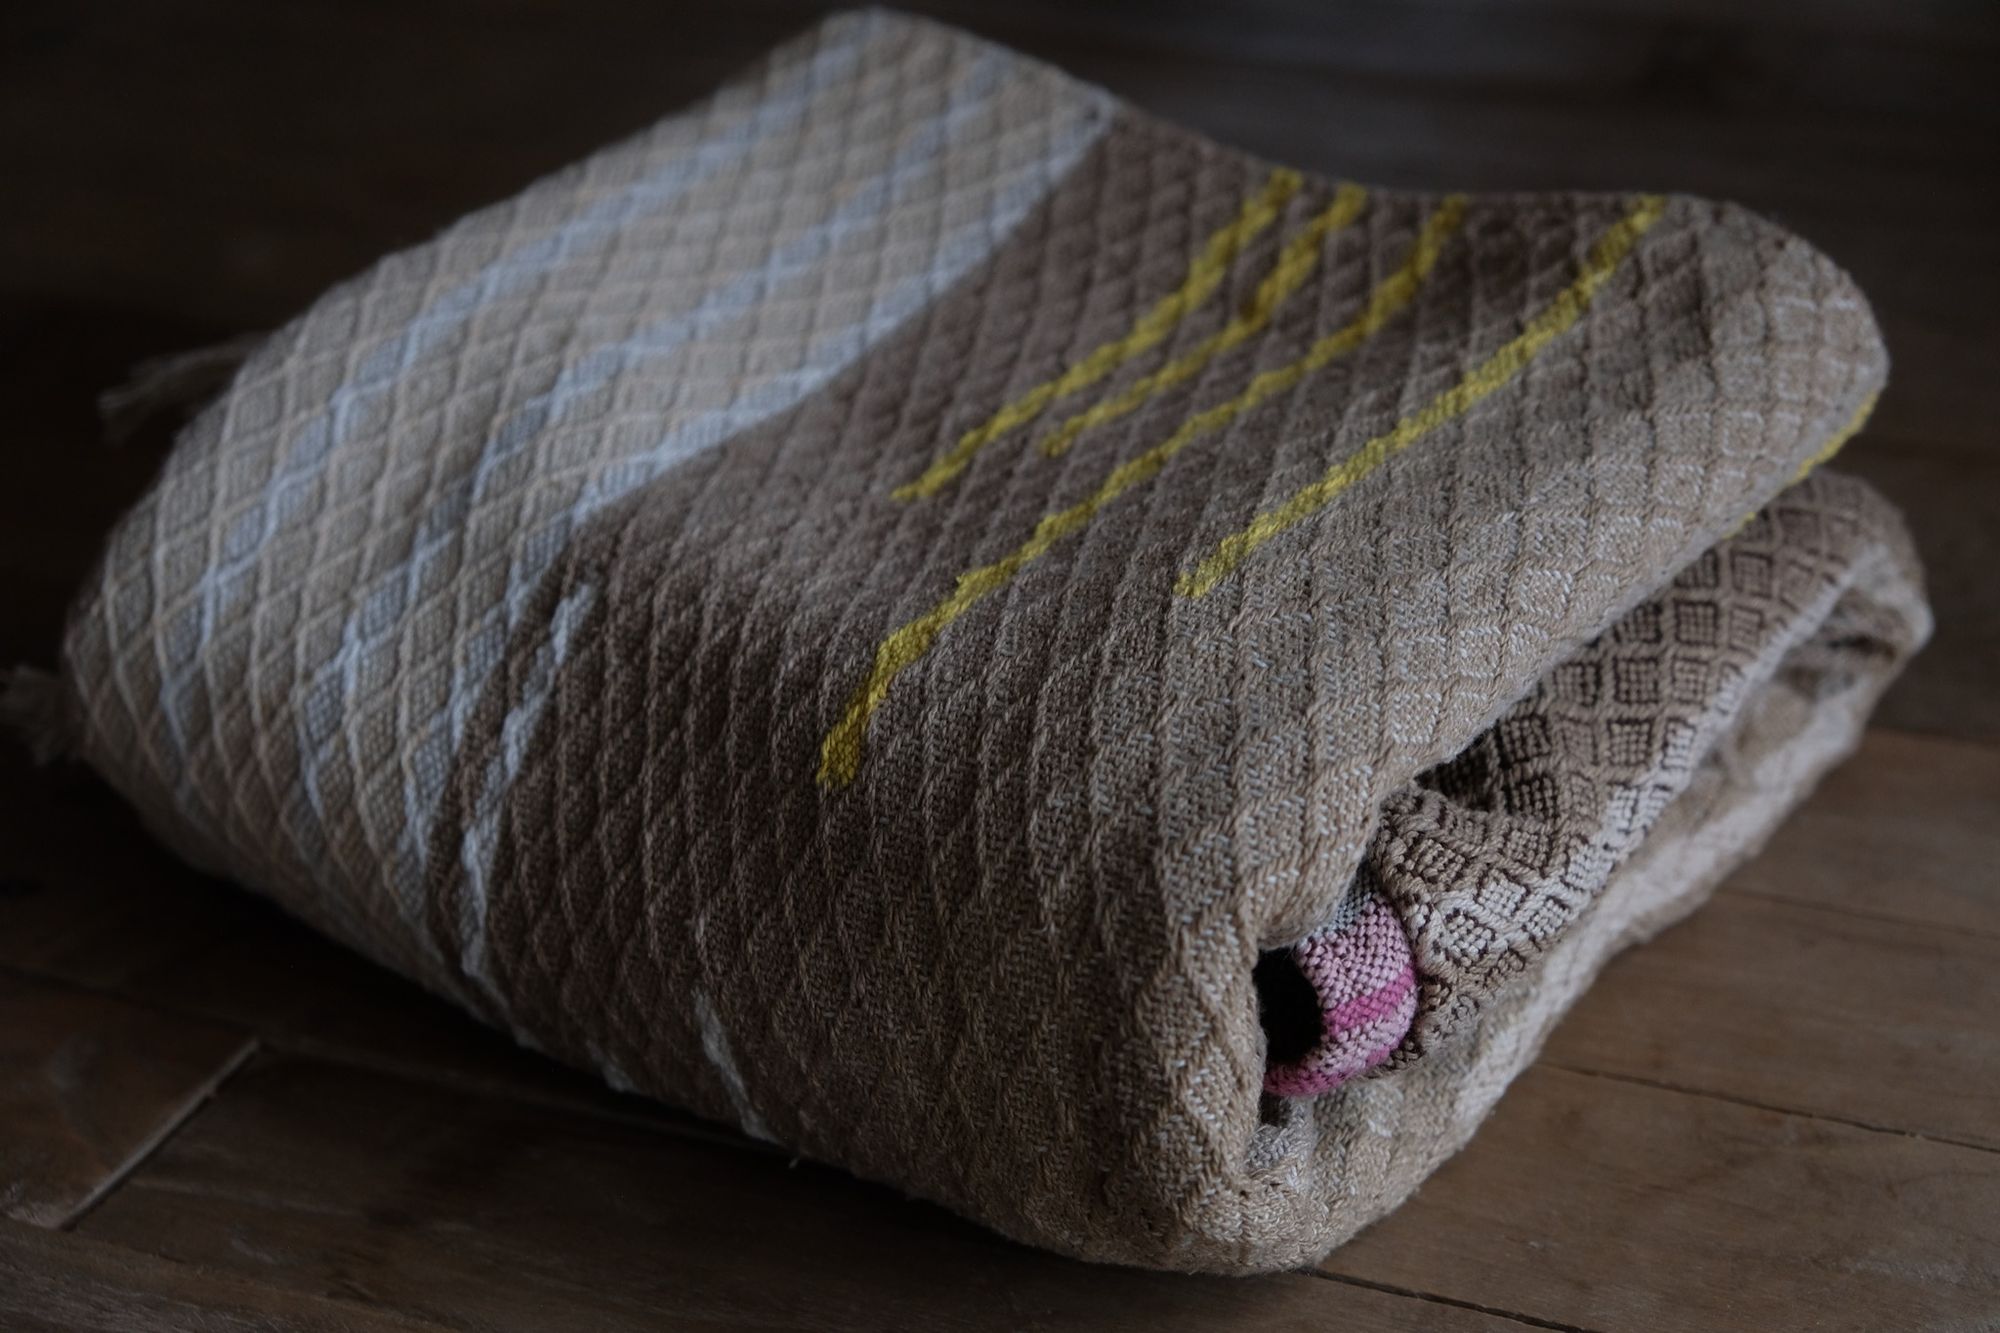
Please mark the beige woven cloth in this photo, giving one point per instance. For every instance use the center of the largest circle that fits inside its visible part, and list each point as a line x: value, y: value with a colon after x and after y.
x: 869, y: 608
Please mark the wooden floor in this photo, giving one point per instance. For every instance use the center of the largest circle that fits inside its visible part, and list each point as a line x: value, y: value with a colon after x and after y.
x: 1783, y: 1114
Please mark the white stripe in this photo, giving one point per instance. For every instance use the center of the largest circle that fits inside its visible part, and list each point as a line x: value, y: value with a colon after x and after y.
x: 440, y: 537
x: 1048, y: 136
x: 482, y: 646
x: 828, y: 356
x: 715, y: 1045
x: 289, y: 494
x: 482, y: 830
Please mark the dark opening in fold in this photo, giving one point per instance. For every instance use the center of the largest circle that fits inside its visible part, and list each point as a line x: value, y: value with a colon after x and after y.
x: 1287, y: 1006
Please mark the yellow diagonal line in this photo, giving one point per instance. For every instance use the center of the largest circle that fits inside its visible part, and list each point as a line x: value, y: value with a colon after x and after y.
x: 1492, y: 373
x: 1295, y: 264
x: 840, y: 753
x: 1838, y: 439
x: 1824, y: 453
x: 1205, y: 273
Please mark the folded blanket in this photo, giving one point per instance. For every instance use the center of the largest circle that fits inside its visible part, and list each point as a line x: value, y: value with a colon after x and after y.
x: 994, y: 642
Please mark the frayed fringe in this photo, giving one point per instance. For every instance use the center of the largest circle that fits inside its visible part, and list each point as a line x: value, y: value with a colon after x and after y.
x: 181, y: 379
x: 32, y: 703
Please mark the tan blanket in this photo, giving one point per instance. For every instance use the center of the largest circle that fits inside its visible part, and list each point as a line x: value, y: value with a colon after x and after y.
x: 992, y: 641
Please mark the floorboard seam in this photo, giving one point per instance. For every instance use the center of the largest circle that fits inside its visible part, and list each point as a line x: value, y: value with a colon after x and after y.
x: 296, y: 1047
x: 1973, y: 740
x: 1662, y: 1085
x: 313, y: 1052
x: 1857, y: 913
x: 374, y: 1315
x: 205, y: 1093
x: 1531, y: 1321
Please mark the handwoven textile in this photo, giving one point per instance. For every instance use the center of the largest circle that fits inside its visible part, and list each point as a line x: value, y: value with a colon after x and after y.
x: 989, y: 640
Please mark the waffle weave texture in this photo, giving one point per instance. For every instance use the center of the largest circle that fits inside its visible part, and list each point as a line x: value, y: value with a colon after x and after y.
x: 920, y: 612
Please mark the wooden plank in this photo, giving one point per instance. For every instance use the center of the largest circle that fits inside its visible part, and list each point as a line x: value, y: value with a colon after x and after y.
x: 87, y: 897
x: 1588, y: 1201
x: 1948, y: 690
x: 1906, y: 829
x: 57, y: 1282
x: 491, y: 1213
x: 1880, y: 1022
x: 88, y: 1086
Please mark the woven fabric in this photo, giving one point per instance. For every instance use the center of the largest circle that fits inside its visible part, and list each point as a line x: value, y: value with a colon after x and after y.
x: 994, y: 642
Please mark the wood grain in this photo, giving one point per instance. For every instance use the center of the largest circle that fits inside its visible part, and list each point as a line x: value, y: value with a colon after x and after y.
x: 86, y: 897
x: 88, y: 1086
x: 53, y: 1282
x: 1591, y: 1202
x: 500, y: 1215
x: 1879, y: 1022
x: 1908, y: 829
x: 1851, y: 971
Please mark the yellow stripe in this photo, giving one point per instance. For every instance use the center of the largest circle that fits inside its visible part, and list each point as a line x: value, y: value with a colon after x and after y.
x: 1838, y: 439
x: 1295, y: 264
x: 1204, y: 275
x: 1825, y: 452
x: 1489, y: 376
x: 840, y: 752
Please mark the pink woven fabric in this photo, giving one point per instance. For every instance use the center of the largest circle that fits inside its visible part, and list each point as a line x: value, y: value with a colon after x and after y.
x: 1365, y: 979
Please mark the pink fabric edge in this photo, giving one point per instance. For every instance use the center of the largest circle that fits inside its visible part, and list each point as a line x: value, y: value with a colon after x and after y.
x: 1364, y: 976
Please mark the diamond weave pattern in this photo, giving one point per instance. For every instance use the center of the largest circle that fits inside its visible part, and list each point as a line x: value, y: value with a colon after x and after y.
x: 646, y: 614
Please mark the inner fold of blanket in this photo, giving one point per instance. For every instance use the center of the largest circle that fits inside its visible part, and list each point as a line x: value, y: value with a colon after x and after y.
x: 1480, y: 863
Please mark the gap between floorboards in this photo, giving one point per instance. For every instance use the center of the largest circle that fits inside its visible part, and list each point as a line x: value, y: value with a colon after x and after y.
x: 1389, y: 1289
x: 203, y: 1094
x: 1662, y: 1085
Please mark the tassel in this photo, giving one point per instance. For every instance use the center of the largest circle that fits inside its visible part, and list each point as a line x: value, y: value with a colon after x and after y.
x: 32, y: 703
x: 180, y: 379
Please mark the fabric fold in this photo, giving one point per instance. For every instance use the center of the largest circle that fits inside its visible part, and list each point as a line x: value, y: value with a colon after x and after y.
x: 1483, y: 861
x: 989, y: 640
